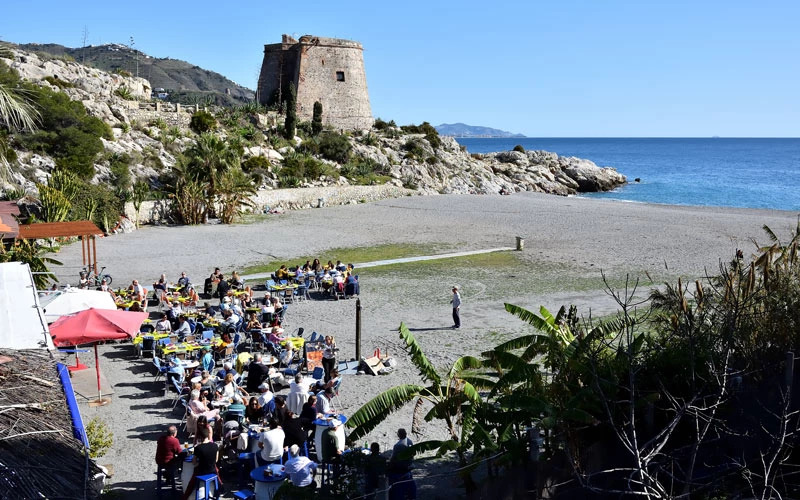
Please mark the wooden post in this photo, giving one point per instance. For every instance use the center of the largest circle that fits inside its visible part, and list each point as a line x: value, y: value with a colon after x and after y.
x: 83, y: 249
x: 94, y: 253
x: 358, y: 330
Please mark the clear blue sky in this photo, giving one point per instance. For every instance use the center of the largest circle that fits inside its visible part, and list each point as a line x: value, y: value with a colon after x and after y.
x: 545, y: 69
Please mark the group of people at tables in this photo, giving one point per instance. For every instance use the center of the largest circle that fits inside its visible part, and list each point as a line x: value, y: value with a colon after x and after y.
x: 331, y: 277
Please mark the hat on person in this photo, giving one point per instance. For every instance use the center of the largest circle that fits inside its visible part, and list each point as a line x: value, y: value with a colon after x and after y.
x: 206, y: 347
x: 263, y: 387
x: 227, y: 365
x: 226, y: 299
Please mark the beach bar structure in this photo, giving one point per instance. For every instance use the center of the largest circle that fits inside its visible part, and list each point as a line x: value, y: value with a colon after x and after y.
x: 86, y: 230
x: 9, y: 228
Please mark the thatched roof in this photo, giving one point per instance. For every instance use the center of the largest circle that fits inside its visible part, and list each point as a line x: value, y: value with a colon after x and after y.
x: 39, y: 457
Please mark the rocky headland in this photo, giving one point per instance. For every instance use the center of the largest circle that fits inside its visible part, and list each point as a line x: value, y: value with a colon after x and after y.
x: 154, y: 138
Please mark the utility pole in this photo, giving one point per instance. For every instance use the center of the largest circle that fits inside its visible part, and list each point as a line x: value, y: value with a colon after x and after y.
x: 358, y: 330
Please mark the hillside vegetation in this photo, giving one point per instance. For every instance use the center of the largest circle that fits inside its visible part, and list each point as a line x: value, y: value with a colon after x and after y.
x: 186, y: 83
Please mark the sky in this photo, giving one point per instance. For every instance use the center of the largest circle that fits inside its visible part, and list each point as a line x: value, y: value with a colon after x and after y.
x: 541, y: 68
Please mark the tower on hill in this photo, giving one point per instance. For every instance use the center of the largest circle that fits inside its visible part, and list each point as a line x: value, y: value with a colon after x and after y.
x: 328, y: 70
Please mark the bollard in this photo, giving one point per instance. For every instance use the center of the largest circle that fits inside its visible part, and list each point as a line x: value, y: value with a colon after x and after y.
x: 358, y: 329
x: 520, y: 243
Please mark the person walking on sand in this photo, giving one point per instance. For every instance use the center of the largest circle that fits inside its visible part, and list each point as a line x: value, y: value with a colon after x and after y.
x: 456, y: 301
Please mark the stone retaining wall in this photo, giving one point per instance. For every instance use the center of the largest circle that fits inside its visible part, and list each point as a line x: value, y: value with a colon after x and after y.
x: 155, y: 212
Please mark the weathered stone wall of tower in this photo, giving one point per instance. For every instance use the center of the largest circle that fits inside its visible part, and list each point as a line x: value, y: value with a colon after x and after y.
x: 328, y: 70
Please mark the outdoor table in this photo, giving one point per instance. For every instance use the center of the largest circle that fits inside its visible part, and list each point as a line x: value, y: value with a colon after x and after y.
x: 297, y: 342
x: 266, y: 486
x: 253, y: 310
x: 269, y: 360
x: 155, y: 335
x: 323, y: 423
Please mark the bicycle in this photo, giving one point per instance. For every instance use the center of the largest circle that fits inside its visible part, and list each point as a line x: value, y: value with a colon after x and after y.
x: 89, y: 278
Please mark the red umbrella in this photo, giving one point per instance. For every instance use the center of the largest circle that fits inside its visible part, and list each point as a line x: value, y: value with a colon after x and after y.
x: 93, y: 325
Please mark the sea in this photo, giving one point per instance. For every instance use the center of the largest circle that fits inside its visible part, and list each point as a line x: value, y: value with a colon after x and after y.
x: 723, y: 172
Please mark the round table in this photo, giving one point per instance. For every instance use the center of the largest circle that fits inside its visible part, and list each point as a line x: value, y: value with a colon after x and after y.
x: 322, y: 424
x: 266, y: 486
x: 269, y: 360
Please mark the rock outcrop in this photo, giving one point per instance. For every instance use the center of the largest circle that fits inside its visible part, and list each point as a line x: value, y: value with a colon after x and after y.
x: 409, y: 160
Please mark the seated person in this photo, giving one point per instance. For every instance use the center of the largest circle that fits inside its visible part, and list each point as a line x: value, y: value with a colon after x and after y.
x: 184, y: 328
x: 207, y: 361
x: 270, y: 443
x: 309, y: 413
x: 230, y: 319
x: 276, y: 335
x: 253, y: 323
x: 198, y: 407
x: 136, y: 307
x: 183, y: 281
x: 105, y: 287
x: 189, y: 293
x: 229, y: 391
x: 253, y: 413
x: 300, y: 469
x: 138, y: 292
x: 236, y: 281
x: 169, y: 453
x: 246, y: 301
x: 226, y: 341
x: 161, y: 284
x: 222, y: 288
x: 282, y: 273
x: 208, y: 386
x: 293, y: 429
x: 298, y: 394
x: 340, y: 267
x: 164, y: 324
x: 227, y: 368
x: 351, y: 286
x: 316, y: 266
x: 287, y: 355
x: 175, y: 311
x: 335, y: 377
x: 329, y: 266
x: 307, y: 266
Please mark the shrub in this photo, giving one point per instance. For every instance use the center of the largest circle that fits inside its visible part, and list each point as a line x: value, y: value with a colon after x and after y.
x: 100, y: 437
x: 119, y: 164
x: 98, y: 200
x: 304, y: 129
x: 431, y: 134
x: 122, y: 72
x: 202, y: 122
x: 309, y: 146
x: 57, y: 82
x: 409, y: 182
x: 247, y: 132
x: 369, y: 139
x: 255, y: 162
x: 382, y: 125
x: 335, y: 147
x: 66, y: 132
x: 415, y: 149
x: 519, y: 148
x: 305, y: 167
x: 158, y: 123
x: 316, y: 122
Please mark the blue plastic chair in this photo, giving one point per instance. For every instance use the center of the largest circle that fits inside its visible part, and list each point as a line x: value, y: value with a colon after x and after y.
x: 318, y: 373
x: 161, y: 370
x: 207, y: 480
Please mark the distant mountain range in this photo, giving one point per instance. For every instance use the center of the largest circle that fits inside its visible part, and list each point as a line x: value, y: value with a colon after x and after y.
x: 464, y: 130
x: 183, y: 81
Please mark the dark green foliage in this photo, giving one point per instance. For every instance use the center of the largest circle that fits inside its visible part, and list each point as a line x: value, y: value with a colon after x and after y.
x: 316, y: 122
x: 6, y: 151
x: 382, y: 125
x: 431, y: 134
x: 519, y: 148
x: 290, y: 125
x: 335, y: 147
x: 120, y: 170
x: 202, y: 122
x: 305, y: 167
x: 254, y: 163
x: 57, y: 82
x: 415, y: 149
x: 247, y: 132
x: 365, y: 171
x: 369, y: 139
x: 304, y: 130
x: 66, y: 132
x: 125, y: 93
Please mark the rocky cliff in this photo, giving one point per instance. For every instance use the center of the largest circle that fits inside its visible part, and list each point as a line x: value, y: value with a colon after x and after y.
x: 409, y: 160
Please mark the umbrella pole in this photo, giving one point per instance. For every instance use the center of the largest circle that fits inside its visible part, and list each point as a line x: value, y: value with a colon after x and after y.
x: 97, y: 367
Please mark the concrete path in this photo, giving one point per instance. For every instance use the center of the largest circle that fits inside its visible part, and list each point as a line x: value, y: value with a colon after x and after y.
x: 388, y: 262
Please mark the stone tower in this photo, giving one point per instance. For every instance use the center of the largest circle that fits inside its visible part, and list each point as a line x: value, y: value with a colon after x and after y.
x: 328, y: 70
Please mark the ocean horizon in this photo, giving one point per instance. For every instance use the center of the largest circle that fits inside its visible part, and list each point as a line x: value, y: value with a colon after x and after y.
x: 712, y: 171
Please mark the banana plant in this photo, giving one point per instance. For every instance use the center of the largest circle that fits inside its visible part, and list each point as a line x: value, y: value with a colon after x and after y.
x: 447, y: 396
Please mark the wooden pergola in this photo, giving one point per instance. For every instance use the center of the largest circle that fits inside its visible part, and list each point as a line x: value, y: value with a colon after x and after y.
x: 86, y: 230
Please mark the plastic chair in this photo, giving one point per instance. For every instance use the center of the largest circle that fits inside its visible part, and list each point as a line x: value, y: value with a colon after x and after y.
x: 148, y: 345
x: 244, y: 494
x: 318, y: 373
x: 161, y: 370
x: 170, y: 479
x: 208, y: 334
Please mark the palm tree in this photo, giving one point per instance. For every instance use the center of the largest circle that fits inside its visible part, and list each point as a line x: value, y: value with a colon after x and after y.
x: 233, y: 193
x: 16, y: 113
x: 209, y: 159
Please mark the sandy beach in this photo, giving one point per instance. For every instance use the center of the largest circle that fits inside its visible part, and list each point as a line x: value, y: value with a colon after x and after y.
x: 568, y: 242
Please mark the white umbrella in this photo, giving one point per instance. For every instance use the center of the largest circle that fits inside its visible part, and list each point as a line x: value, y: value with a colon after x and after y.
x: 75, y: 300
